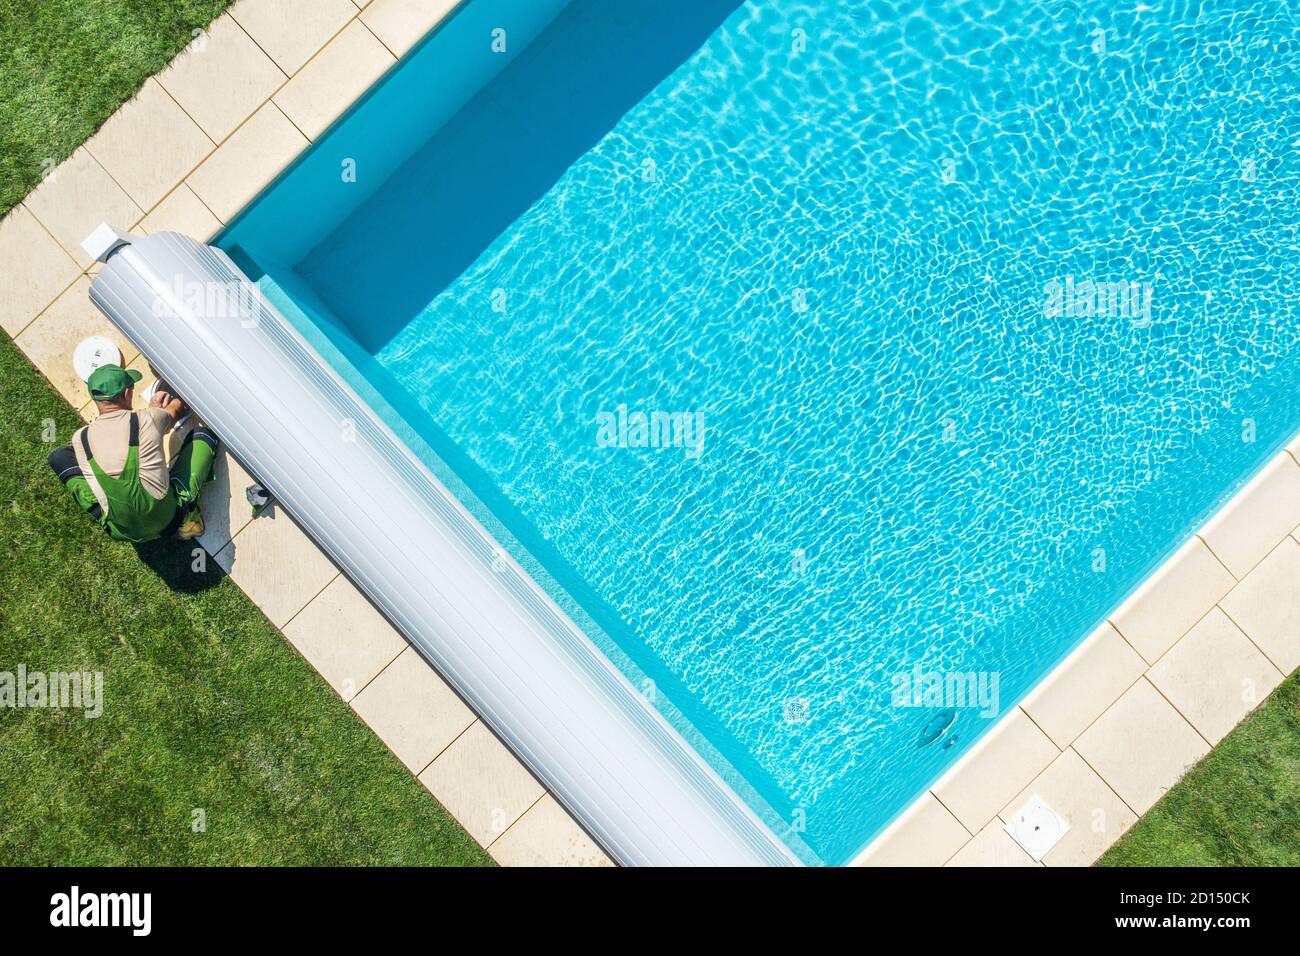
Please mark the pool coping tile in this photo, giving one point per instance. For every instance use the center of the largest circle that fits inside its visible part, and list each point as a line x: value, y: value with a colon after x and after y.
x: 992, y: 846
x: 332, y: 80
x: 276, y: 564
x: 345, y: 638
x: 925, y: 834
x: 49, y: 341
x: 999, y: 764
x: 184, y: 212
x: 1081, y: 687
x: 1177, y: 595
x: 400, y: 24
x: 1257, y: 518
x: 250, y: 158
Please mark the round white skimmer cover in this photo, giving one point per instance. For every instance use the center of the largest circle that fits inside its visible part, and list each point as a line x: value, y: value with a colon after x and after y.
x: 93, y: 352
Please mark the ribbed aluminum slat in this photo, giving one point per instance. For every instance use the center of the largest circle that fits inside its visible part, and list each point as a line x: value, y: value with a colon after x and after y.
x: 624, y: 773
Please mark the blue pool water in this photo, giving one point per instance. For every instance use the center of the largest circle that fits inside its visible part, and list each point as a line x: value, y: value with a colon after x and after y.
x: 827, y: 234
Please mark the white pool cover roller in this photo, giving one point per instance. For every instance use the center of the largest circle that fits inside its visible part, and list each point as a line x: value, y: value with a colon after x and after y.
x: 624, y: 773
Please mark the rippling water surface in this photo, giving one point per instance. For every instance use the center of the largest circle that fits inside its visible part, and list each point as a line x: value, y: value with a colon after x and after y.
x: 832, y: 231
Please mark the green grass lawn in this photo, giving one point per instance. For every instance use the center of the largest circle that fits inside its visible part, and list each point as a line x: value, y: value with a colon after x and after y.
x: 1240, y: 806
x: 66, y: 66
x: 206, y: 706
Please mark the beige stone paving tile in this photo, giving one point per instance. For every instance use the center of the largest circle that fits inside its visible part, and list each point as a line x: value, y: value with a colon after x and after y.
x: 1293, y: 448
x: 1084, y: 685
x: 76, y: 198
x: 1266, y: 605
x: 926, y: 834
x: 246, y: 162
x: 547, y: 836
x: 412, y: 710
x: 226, y: 510
x: 291, y: 31
x: 995, y: 768
x: 34, y: 266
x: 1257, y: 518
x: 182, y: 212
x: 334, y: 78
x: 401, y: 23
x: 1215, y: 676
x: 992, y: 846
x: 1172, y: 599
x: 221, y: 78
x: 481, y: 783
x: 1096, y: 815
x: 149, y: 145
x: 276, y: 565
x: 1141, y: 746
x: 50, y: 341
x: 345, y: 638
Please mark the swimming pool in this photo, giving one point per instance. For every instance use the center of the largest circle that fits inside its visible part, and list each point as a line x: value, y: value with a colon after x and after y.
x: 806, y: 352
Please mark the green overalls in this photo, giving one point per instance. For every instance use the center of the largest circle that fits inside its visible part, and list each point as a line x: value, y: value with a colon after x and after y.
x: 135, y: 515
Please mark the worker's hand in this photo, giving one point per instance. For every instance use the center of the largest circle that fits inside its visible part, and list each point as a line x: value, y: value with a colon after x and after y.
x: 160, y: 400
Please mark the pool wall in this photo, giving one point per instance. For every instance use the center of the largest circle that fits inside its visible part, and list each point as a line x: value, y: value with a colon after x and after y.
x: 364, y: 147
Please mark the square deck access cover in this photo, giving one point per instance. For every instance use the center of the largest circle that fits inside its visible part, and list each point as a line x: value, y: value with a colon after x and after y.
x: 1037, y: 827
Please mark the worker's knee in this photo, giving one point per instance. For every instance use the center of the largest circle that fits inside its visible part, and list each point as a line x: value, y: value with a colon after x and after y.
x: 63, y: 462
x: 204, y: 434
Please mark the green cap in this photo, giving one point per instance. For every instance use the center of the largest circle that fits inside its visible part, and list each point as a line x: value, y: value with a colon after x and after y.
x: 109, y: 381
